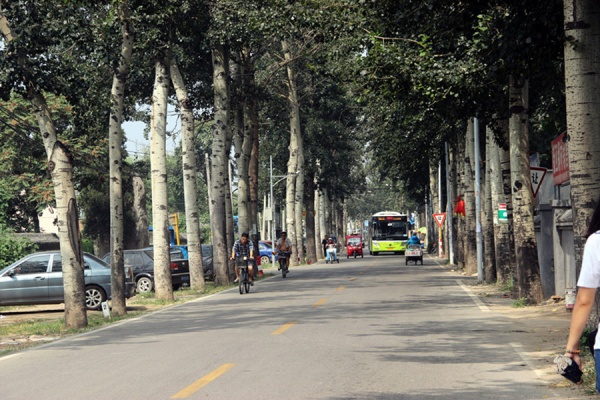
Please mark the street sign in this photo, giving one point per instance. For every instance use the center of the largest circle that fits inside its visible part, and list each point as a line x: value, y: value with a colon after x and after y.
x: 440, y: 218
x: 537, y: 177
x: 502, y: 213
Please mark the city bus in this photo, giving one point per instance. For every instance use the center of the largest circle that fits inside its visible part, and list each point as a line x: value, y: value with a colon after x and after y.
x: 389, y: 233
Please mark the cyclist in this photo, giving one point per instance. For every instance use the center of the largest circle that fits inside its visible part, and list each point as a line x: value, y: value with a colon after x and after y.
x: 243, y: 248
x: 284, y: 245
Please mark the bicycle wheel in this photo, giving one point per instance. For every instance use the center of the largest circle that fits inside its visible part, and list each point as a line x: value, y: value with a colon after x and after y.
x: 283, y: 271
x: 247, y: 284
x: 242, y: 279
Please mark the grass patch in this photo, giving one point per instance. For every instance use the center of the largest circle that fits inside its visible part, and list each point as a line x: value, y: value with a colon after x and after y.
x: 520, y: 303
x: 17, y: 335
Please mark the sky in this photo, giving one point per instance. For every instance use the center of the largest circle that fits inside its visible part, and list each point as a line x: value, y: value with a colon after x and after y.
x: 137, y: 145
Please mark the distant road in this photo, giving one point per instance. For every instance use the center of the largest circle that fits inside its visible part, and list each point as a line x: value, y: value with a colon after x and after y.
x: 368, y: 328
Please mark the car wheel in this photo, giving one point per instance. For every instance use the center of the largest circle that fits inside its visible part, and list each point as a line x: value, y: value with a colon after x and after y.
x: 94, y: 296
x: 145, y: 285
x: 265, y: 260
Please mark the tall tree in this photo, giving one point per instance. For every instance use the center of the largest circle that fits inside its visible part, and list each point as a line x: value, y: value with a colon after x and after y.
x: 115, y: 142
x: 61, y: 170
x: 528, y: 284
x: 582, y: 68
x: 158, y: 159
x: 189, y: 166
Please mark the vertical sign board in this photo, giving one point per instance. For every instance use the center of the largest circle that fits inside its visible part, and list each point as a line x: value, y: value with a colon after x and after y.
x: 502, y: 213
x: 560, y: 159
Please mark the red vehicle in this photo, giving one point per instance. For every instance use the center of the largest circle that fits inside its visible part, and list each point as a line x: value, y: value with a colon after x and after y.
x: 354, y: 246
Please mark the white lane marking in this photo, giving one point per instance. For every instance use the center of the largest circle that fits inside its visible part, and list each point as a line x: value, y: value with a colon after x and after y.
x: 473, y: 297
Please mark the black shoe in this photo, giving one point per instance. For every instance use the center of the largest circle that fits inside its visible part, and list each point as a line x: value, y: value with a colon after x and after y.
x: 251, y: 283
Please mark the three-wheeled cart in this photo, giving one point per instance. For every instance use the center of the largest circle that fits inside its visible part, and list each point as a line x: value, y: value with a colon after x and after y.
x: 413, y: 253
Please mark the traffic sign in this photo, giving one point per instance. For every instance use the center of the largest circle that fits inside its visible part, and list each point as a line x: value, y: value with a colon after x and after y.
x: 537, y: 177
x: 440, y: 218
x: 502, y: 213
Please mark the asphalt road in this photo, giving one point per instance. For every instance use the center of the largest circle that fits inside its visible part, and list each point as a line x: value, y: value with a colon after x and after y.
x: 369, y: 328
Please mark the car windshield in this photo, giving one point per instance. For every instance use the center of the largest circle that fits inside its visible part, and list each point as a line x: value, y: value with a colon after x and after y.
x: 354, y: 242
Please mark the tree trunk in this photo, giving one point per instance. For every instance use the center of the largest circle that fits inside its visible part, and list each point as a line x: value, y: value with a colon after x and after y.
x: 469, y: 191
x: 311, y: 250
x: 101, y: 245
x: 139, y: 239
x: 219, y: 164
x: 452, y: 197
x: 290, y: 195
x: 460, y: 220
x: 61, y: 170
x: 322, y: 217
x: 115, y: 141
x: 582, y: 68
x: 242, y: 144
x: 489, y: 271
x: 251, y: 120
x: 190, y: 187
x: 503, y: 250
x: 318, y: 233
x: 528, y: 284
x: 158, y: 167
x: 434, y: 232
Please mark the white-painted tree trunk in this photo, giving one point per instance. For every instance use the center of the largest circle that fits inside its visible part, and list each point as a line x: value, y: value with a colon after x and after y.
x: 158, y: 173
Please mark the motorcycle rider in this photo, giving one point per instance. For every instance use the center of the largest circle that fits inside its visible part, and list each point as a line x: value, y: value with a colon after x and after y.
x: 284, y: 244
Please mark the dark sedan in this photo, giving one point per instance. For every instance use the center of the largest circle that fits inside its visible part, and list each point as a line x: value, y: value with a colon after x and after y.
x: 142, y: 263
x: 38, y: 279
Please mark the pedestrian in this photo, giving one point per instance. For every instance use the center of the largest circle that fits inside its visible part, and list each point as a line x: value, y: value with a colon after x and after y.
x: 324, y: 244
x: 588, y: 283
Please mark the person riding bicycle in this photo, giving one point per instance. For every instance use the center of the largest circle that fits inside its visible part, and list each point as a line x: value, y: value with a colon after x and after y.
x: 331, y: 251
x: 284, y: 245
x: 243, y: 248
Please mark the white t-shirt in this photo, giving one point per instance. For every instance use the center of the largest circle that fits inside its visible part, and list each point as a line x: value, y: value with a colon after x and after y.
x: 590, y: 269
x: 590, y: 266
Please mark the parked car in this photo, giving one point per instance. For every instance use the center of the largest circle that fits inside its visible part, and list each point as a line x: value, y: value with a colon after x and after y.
x: 265, y: 251
x: 38, y: 279
x: 142, y: 263
x: 181, y: 252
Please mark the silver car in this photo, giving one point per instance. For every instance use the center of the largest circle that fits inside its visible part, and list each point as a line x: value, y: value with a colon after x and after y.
x: 38, y: 279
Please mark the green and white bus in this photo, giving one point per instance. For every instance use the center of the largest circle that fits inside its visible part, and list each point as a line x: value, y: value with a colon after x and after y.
x: 389, y: 233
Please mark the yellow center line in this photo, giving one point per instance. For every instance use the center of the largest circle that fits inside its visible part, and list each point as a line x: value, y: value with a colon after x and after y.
x: 283, y: 328
x: 352, y: 279
x: 205, y: 380
x: 320, y: 302
x: 340, y: 288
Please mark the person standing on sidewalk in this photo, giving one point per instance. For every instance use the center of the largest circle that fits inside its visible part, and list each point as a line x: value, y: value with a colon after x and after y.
x: 588, y: 283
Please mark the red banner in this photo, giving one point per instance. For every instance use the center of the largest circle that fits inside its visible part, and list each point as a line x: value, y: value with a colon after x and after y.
x: 560, y: 160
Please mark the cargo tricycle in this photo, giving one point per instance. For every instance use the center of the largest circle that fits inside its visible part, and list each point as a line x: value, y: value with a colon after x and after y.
x: 354, y: 246
x: 413, y: 253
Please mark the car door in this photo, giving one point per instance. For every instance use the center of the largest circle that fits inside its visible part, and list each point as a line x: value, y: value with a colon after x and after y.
x: 56, y: 289
x: 26, y: 282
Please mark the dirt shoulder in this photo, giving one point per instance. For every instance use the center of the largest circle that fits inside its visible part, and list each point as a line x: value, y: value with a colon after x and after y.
x: 540, y: 333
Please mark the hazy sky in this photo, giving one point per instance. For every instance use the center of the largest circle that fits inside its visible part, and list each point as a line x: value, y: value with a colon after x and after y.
x: 134, y: 131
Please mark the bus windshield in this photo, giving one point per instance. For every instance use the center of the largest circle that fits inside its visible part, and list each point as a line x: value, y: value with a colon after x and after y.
x: 390, y: 228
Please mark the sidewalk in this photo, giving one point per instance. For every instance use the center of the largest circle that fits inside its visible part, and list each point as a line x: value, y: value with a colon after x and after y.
x: 540, y: 332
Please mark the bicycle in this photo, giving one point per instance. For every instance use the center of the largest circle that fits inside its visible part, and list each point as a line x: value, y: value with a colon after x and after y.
x: 244, y: 280
x: 283, y: 259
